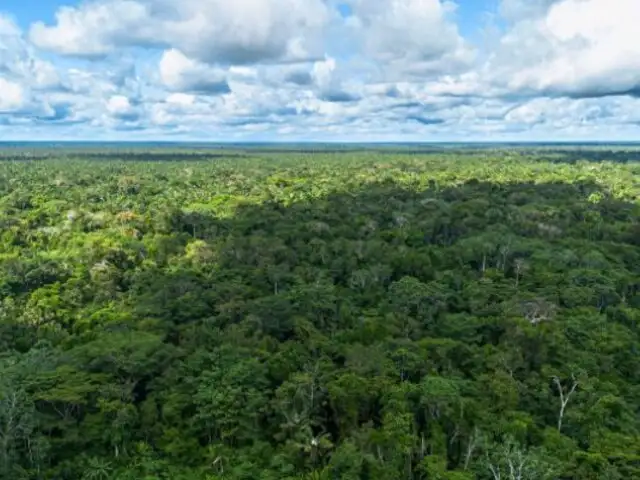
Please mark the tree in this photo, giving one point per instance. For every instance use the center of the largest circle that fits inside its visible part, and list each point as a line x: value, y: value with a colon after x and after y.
x: 509, y: 461
x: 565, y: 396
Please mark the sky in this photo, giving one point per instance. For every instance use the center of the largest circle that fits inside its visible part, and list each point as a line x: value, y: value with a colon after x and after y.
x: 320, y: 70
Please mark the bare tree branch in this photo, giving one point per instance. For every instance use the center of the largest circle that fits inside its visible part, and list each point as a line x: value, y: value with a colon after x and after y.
x: 564, y: 399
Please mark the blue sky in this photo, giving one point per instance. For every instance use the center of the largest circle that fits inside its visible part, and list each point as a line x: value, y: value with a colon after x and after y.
x: 290, y: 70
x: 28, y: 11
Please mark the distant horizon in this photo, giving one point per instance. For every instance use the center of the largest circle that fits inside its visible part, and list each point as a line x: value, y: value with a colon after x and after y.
x: 319, y: 142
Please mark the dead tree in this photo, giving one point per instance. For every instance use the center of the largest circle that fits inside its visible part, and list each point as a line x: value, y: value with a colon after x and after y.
x: 564, y: 397
x: 538, y: 311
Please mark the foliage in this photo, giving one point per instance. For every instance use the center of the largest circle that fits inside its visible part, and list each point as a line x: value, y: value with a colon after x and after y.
x: 359, y: 314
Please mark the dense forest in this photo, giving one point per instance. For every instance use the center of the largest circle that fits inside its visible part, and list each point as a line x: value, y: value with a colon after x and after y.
x: 362, y: 314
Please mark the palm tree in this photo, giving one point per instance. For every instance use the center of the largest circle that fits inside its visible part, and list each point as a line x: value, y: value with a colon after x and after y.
x: 97, y: 469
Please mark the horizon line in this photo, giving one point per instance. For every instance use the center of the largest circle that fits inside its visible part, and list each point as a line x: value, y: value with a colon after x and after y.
x: 329, y: 142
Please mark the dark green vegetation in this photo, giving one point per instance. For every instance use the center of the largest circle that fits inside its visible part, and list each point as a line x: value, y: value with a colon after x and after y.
x: 368, y: 315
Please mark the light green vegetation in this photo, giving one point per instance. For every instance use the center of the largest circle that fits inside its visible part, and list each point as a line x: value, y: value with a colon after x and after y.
x: 378, y: 315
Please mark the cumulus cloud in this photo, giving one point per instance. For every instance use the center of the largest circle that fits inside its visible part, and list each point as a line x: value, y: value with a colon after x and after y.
x: 19, y: 61
x: 415, y: 37
x: 94, y: 29
x: 36, y: 92
x: 120, y: 107
x: 24, y: 78
x: 180, y: 73
x: 555, y: 48
x: 11, y: 96
x: 329, y: 85
x: 213, y: 31
x: 411, y: 36
x: 576, y: 48
x: 8, y: 28
x: 323, y: 69
x: 181, y: 99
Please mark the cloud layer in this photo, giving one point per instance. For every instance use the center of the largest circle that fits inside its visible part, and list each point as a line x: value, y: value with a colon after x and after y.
x: 362, y: 70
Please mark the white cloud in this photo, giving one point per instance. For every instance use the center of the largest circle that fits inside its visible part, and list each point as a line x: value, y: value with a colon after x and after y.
x: 295, y: 69
x: 8, y: 28
x: 182, y: 110
x: 411, y: 36
x: 181, y: 99
x: 12, y: 97
x: 323, y: 72
x: 556, y: 48
x: 575, y: 48
x: 120, y: 107
x: 19, y: 61
x: 183, y: 74
x: 243, y: 31
x: 93, y: 29
x: 328, y: 84
x: 23, y: 76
